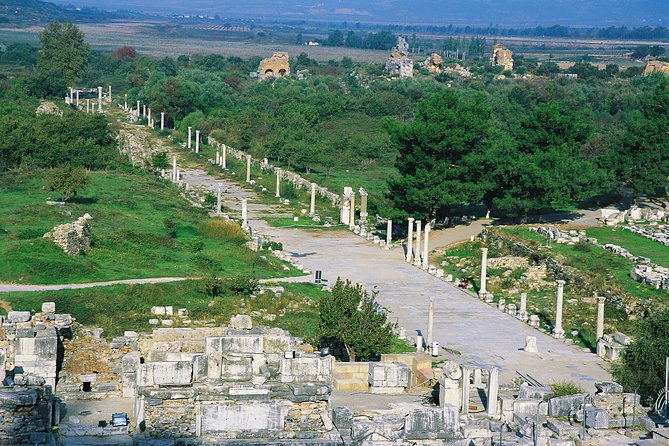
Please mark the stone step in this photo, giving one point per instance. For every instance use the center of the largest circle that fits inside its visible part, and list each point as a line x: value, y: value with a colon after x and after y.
x: 350, y: 384
x: 649, y: 442
x: 352, y: 375
x: 661, y: 434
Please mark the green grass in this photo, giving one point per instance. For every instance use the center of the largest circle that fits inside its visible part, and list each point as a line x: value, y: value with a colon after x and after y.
x: 634, y: 243
x: 304, y: 222
x: 129, y: 236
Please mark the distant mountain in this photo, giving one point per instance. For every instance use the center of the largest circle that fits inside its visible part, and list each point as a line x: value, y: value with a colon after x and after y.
x: 441, y: 12
x: 35, y: 12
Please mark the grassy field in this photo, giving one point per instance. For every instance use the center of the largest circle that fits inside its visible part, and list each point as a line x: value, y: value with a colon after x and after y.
x: 608, y: 273
x: 128, y: 307
x: 634, y: 243
x: 130, y: 239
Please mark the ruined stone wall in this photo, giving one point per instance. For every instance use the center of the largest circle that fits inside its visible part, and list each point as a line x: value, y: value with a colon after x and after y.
x: 25, y: 414
x: 276, y: 66
x: 74, y: 238
x: 656, y: 66
x: 170, y: 418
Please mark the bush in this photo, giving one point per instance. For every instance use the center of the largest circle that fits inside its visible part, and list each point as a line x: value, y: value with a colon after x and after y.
x: 67, y: 180
x: 564, y: 388
x: 243, y: 285
x: 170, y: 227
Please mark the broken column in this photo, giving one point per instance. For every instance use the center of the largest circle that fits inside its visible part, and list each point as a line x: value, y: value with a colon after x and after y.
x: 389, y: 232
x: 426, y: 247
x: 190, y: 135
x: 278, y: 183
x: 351, y: 219
x: 248, y: 168
x: 522, y: 313
x: 197, y: 141
x: 363, y: 205
x: 174, y: 168
x: 430, y: 323
x: 125, y: 102
x: 312, y: 208
x: 143, y: 110
x: 218, y: 199
x: 245, y: 203
x: 484, y: 271
x: 493, y: 390
x: 410, y: 240
x: 600, y: 317
x: 416, y: 261
x: 558, y: 331
x: 464, y: 398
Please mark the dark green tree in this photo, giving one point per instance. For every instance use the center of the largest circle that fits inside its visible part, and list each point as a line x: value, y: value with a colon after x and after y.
x: 351, y: 316
x: 64, y: 56
x: 67, y: 180
x: 642, y: 364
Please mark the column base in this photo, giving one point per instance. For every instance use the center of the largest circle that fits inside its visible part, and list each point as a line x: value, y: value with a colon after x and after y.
x: 558, y: 333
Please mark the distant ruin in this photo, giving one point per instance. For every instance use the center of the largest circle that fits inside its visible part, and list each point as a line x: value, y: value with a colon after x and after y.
x: 399, y: 63
x: 433, y: 63
x: 275, y: 66
x: 656, y: 66
x: 502, y: 56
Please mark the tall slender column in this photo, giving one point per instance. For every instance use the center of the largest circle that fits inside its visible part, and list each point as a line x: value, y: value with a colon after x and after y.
x: 139, y: 110
x: 125, y: 102
x: 218, y: 199
x: 351, y: 219
x: 174, y: 168
x: 410, y: 241
x: 426, y: 247
x: 493, y: 390
x: 197, y: 141
x: 71, y: 95
x: 149, y: 117
x: 484, y: 271
x: 144, y: 110
x: 558, y: 331
x: 224, y: 161
x: 416, y: 260
x: 162, y: 120
x: 363, y: 205
x: 88, y: 105
x: 430, y: 322
x: 312, y: 208
x: 464, y: 399
x: 522, y: 313
x: 77, y: 98
x: 99, y: 99
x: 278, y: 183
x: 109, y: 98
x: 600, y: 317
x: 190, y: 137
x: 389, y: 232
x: 218, y: 157
x: 248, y: 168
x: 244, y: 212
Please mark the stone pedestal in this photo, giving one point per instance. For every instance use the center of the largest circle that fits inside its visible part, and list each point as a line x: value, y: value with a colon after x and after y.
x: 522, y: 312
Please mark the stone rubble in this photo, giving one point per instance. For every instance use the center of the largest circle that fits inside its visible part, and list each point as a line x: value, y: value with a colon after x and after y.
x: 74, y: 238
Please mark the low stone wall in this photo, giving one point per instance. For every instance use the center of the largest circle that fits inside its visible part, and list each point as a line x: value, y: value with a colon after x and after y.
x: 25, y: 414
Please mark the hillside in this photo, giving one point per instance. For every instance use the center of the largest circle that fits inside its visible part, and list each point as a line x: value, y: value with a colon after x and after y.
x: 20, y: 13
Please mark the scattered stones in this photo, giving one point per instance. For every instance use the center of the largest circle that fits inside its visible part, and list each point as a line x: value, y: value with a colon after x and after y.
x: 74, y: 238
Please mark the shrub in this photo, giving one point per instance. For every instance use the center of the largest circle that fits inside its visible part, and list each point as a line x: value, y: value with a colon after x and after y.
x: 564, y: 388
x: 243, y: 284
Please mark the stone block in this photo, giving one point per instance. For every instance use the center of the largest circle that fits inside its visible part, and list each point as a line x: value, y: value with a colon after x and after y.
x: 158, y: 311
x: 394, y: 374
x: 342, y: 417
x: 166, y: 373
x: 306, y: 369
x: 252, y: 416
x: 529, y: 408
x: 48, y: 307
x: 609, y: 387
x: 242, y: 344
x: 18, y: 316
x: 241, y: 322
x: 563, y: 429
x: 596, y: 418
x: 564, y: 406
x: 236, y: 368
x: 527, y: 391
x: 10, y: 397
x: 382, y: 428
x: 432, y: 423
x: 622, y: 338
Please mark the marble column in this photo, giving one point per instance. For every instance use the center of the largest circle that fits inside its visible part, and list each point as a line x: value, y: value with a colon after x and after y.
x: 416, y: 259
x: 71, y: 95
x: 77, y: 98
x: 149, y: 117
x: 351, y: 219
x: 484, y: 271
x: 218, y: 198
x: 99, y: 99
x: 410, y: 241
x: 248, y: 168
x: 600, y: 317
x: 144, y: 110
x: 218, y: 157
x: 174, y: 168
x: 430, y: 323
x: 464, y: 398
x: 493, y: 391
x: 389, y: 232
x: 162, y: 120
x: 558, y: 331
x: 426, y: 247
x: 312, y: 207
x: 245, y: 212
x: 224, y: 158
x: 363, y: 205
x: 88, y: 105
x: 197, y: 141
x: 278, y: 183
x: 109, y: 98
x: 522, y: 313
x: 190, y: 137
x: 125, y: 102
x: 139, y: 110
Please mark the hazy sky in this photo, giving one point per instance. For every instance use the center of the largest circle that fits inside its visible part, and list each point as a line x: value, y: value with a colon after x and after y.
x: 477, y: 12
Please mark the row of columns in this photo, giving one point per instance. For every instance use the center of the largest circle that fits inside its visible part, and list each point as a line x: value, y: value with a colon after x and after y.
x: 74, y: 98
x: 144, y: 111
x: 419, y: 258
x: 558, y: 330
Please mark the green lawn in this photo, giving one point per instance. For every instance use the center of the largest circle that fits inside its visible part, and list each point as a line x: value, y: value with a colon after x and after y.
x: 129, y: 235
x: 634, y: 243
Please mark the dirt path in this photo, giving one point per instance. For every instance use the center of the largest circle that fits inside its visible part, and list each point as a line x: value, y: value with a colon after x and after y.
x: 15, y: 288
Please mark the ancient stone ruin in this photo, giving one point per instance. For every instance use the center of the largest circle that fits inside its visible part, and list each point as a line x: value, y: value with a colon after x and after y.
x: 433, y: 63
x: 48, y: 108
x: 502, y: 56
x: 74, y: 238
x: 275, y: 66
x: 399, y: 64
x: 656, y: 66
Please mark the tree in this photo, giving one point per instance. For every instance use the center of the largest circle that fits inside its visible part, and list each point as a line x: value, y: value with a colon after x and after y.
x: 175, y: 96
x: 352, y: 317
x: 67, y: 180
x: 125, y: 52
x: 64, y: 53
x: 643, y: 362
x: 159, y: 161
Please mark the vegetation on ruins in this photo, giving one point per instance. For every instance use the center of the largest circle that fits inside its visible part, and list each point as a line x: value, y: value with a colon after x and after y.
x: 643, y: 362
x: 564, y: 388
x: 351, y: 317
x: 67, y: 180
